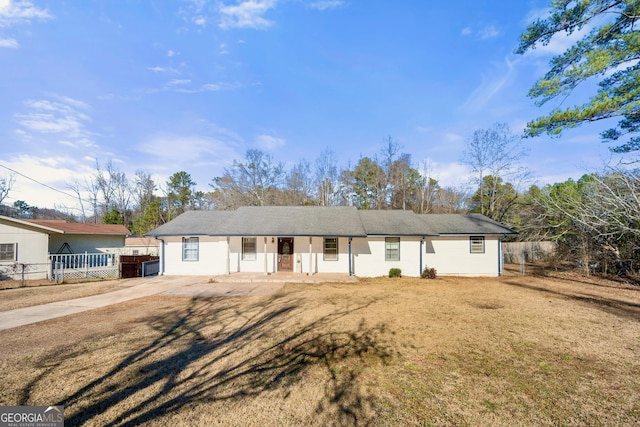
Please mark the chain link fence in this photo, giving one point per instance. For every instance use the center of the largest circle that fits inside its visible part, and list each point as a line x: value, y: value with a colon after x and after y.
x: 523, y: 254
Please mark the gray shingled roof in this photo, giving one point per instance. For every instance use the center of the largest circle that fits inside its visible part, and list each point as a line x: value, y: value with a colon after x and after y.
x: 267, y: 221
x: 295, y: 221
x: 193, y: 223
x: 465, y: 224
x: 395, y: 223
x: 324, y: 221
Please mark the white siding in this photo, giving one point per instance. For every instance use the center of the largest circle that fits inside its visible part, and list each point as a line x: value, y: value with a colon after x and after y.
x: 369, y: 257
x: 451, y: 256
x: 212, y: 257
x: 31, y: 250
x: 259, y: 265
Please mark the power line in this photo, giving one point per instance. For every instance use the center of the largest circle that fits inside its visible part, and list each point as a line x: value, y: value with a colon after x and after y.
x: 41, y: 183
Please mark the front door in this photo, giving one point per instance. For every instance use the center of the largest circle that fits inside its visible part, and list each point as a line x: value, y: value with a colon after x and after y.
x: 285, y: 254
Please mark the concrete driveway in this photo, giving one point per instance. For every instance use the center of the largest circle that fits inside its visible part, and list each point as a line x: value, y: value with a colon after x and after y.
x: 236, y: 284
x: 189, y: 286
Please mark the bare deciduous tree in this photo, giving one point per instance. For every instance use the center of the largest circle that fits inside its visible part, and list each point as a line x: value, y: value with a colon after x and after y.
x: 494, y: 152
x: 6, y: 184
x: 326, y: 178
x: 253, y: 181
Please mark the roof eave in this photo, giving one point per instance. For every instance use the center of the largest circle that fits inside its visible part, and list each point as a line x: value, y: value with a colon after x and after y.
x: 31, y: 224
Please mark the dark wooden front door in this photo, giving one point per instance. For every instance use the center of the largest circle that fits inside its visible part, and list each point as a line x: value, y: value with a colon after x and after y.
x: 285, y: 254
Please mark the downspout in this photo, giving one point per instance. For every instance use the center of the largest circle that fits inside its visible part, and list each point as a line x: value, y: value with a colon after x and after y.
x: 499, y: 257
x: 350, y: 269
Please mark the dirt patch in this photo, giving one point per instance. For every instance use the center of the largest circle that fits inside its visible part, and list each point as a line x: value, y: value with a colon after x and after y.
x: 518, y: 350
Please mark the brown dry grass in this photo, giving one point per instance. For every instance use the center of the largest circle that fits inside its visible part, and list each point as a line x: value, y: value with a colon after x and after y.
x: 510, y: 351
x: 44, y: 292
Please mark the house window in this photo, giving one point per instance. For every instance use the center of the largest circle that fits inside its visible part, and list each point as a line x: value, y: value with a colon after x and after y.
x: 7, y: 252
x: 330, y: 249
x: 136, y: 252
x: 190, y: 249
x: 477, y: 244
x: 392, y: 249
x: 249, y: 248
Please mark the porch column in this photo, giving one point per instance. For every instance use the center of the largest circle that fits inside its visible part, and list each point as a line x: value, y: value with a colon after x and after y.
x: 310, y: 256
x: 228, y: 255
x: 421, y: 245
x: 265, y: 256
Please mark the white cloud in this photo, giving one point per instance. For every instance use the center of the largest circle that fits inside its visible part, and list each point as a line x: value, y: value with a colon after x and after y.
x: 247, y: 14
x: 490, y: 86
x: 178, y: 82
x: 9, y: 43
x: 485, y: 33
x: 452, y: 174
x: 488, y: 32
x: 200, y: 21
x: 327, y: 4
x: 210, y: 87
x: 171, y: 53
x: 63, y: 116
x: 268, y: 142
x: 167, y: 70
x: 168, y: 153
x: 19, y: 12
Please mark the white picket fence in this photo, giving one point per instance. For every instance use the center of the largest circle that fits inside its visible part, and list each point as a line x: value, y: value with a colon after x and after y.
x: 84, y: 266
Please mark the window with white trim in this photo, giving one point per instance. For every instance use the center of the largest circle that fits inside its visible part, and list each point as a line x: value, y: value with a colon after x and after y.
x: 392, y: 249
x: 7, y: 251
x: 476, y: 244
x: 330, y: 250
x: 190, y: 248
x: 249, y: 248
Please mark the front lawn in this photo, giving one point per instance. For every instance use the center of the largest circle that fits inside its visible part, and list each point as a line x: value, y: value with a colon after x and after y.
x: 508, y: 351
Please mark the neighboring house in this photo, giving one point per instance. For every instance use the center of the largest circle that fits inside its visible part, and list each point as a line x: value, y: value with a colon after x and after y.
x: 313, y: 240
x: 31, y: 242
x: 141, y: 246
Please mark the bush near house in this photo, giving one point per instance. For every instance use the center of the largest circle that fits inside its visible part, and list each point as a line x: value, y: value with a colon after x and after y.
x: 429, y: 273
x: 395, y: 272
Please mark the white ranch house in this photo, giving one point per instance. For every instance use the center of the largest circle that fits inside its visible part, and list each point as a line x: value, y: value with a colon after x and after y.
x: 310, y: 240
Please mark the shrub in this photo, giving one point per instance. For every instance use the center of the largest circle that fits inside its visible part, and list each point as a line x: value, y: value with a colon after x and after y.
x: 428, y: 273
x: 395, y: 272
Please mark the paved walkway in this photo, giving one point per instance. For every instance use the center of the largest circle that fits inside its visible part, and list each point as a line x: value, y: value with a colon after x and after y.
x: 194, y: 286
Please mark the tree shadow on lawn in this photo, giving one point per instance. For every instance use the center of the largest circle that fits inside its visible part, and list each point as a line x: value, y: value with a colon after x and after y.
x: 618, y: 307
x: 217, y: 350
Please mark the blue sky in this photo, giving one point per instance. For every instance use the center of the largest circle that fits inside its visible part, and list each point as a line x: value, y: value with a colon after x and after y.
x: 165, y: 86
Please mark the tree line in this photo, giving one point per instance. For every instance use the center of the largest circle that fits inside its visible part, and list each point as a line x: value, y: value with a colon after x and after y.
x: 593, y: 219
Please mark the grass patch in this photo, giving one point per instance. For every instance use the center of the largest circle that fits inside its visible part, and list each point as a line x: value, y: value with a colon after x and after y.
x: 460, y: 351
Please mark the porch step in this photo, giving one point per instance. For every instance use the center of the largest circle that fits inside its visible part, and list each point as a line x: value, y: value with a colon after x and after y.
x: 283, y: 278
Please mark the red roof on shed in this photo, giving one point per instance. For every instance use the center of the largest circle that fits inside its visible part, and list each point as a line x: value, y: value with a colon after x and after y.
x: 80, y: 228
